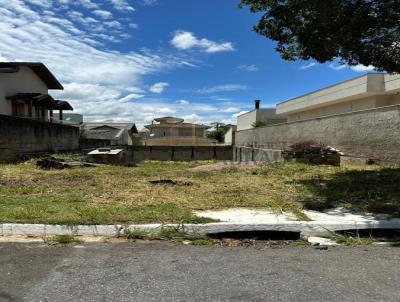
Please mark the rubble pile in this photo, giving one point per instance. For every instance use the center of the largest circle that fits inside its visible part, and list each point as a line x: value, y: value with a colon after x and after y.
x: 313, y: 153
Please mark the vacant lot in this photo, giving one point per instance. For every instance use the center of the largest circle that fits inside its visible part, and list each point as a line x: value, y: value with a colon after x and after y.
x: 112, y: 194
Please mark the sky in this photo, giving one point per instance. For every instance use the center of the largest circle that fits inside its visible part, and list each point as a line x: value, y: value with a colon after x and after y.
x: 135, y: 60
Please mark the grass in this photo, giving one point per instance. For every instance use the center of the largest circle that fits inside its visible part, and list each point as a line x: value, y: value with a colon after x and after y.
x: 177, y: 234
x: 112, y: 194
x: 350, y: 240
x: 61, y: 239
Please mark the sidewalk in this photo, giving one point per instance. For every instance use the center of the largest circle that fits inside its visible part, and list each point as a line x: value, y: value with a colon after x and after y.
x: 231, y: 220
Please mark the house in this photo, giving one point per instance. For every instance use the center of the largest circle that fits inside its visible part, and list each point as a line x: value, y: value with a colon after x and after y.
x: 71, y: 118
x: 229, y: 138
x: 24, y: 91
x: 368, y: 91
x: 173, y: 131
x: 113, y: 134
x: 266, y: 115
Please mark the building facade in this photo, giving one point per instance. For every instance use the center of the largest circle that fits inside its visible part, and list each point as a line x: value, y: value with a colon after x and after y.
x: 173, y: 131
x: 268, y: 116
x: 368, y: 91
x: 24, y: 91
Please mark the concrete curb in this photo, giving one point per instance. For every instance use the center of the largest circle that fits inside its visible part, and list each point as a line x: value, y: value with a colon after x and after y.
x: 305, y: 228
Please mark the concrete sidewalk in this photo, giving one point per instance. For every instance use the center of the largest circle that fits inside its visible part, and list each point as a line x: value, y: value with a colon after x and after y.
x: 231, y: 220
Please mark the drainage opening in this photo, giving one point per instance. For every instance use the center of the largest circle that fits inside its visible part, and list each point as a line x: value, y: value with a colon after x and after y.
x: 375, y: 233
x: 257, y: 235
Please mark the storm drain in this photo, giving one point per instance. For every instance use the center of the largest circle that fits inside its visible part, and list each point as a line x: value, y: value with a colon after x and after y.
x: 257, y: 235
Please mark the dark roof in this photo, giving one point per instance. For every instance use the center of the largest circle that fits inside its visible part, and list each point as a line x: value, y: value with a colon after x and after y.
x: 62, y: 105
x: 42, y: 99
x: 128, y: 126
x: 107, y: 134
x: 38, y: 68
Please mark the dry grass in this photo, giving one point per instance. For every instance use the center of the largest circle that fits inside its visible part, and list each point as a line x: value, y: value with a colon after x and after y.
x: 113, y: 194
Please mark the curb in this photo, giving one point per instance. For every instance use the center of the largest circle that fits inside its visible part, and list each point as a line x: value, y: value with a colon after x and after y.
x: 305, y: 228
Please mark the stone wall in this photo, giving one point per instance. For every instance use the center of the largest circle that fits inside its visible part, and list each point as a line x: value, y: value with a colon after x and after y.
x: 20, y: 136
x: 180, y: 153
x: 366, y: 134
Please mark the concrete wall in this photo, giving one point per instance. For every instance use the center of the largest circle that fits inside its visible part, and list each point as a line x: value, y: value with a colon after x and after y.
x: 21, y: 136
x: 372, y: 133
x: 23, y: 81
x: 349, y: 106
x: 246, y: 120
x: 180, y: 153
x: 229, y: 137
x: 250, y: 154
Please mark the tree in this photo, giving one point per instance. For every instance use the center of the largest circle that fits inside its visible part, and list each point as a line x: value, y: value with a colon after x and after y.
x: 356, y: 32
x: 218, y: 132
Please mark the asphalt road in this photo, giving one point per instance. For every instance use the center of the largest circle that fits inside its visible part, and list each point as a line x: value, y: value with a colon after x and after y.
x: 167, y: 272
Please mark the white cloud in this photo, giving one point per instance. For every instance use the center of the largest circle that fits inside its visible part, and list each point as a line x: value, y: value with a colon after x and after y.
x: 222, y: 88
x: 356, y: 68
x: 122, y: 5
x: 183, y: 102
x: 149, y: 2
x: 231, y: 109
x: 103, y: 14
x: 131, y: 96
x: 307, y: 66
x: 159, y: 87
x: 337, y: 66
x: 186, y: 40
x: 248, y: 68
x: 362, y: 68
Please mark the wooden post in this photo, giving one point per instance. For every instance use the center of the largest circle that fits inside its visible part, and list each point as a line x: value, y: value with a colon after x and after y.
x: 43, y: 113
x: 30, y: 108
x: 61, y: 115
x: 51, y: 114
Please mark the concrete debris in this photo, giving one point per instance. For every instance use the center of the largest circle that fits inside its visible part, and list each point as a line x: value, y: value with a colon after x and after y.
x: 53, y: 163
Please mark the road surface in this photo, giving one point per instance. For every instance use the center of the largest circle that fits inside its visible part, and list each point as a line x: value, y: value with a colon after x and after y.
x: 162, y: 271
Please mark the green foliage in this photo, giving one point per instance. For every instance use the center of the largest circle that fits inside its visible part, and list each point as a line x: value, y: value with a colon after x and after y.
x: 352, y: 240
x: 357, y: 32
x: 178, y: 234
x: 218, y: 132
x: 61, y: 239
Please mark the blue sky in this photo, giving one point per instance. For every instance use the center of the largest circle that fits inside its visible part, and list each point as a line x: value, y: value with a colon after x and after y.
x: 134, y: 60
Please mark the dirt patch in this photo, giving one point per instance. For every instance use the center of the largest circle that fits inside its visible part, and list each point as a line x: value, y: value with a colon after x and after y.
x: 224, y: 165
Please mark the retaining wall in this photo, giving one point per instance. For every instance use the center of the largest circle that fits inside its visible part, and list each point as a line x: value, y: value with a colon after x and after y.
x: 180, y: 153
x: 20, y: 136
x: 366, y: 134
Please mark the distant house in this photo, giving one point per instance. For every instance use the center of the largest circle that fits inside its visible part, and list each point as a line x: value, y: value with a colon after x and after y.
x: 24, y: 91
x: 268, y: 115
x: 229, y: 138
x: 173, y: 131
x: 113, y: 134
x: 364, y: 92
x: 71, y: 118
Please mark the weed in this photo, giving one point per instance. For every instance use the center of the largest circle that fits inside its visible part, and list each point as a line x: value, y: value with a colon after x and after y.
x: 350, y: 240
x: 173, y: 233
x: 298, y: 243
x: 111, y: 194
x: 61, y: 239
